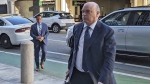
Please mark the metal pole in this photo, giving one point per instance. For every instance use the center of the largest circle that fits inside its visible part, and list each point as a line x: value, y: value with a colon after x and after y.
x: 27, y: 62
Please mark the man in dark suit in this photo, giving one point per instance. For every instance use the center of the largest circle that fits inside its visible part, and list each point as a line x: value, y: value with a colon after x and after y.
x: 93, y: 54
x: 39, y: 32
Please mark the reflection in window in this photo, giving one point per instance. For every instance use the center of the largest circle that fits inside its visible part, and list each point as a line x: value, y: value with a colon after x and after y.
x: 141, y: 18
x: 117, y: 19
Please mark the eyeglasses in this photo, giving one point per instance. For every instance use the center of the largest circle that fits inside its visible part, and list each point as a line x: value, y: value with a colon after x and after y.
x: 86, y: 11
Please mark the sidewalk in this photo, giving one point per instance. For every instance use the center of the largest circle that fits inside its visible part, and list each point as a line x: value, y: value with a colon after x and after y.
x: 11, y: 75
x: 54, y: 72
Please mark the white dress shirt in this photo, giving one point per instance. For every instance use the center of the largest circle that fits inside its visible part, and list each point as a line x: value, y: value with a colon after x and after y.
x: 80, y: 46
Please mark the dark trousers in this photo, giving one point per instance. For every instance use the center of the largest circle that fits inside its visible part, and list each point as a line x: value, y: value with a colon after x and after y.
x: 80, y: 77
x: 37, y: 47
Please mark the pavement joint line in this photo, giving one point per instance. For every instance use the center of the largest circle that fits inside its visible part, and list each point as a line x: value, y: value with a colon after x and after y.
x: 58, y: 53
x: 57, y: 61
x: 69, y: 55
x: 115, y: 62
x: 132, y: 65
x: 131, y: 75
x: 10, y: 53
x: 57, y: 40
x: 120, y: 73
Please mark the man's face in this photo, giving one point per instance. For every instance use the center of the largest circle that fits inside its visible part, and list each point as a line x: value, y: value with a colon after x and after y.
x: 39, y: 19
x: 89, y: 14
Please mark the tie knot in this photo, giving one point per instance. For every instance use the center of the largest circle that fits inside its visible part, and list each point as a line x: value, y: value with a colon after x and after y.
x: 88, y: 27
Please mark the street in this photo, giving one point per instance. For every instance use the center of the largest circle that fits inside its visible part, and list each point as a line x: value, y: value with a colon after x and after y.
x: 128, y: 70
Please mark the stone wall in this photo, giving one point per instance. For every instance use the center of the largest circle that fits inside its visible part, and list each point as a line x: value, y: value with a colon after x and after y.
x: 27, y: 8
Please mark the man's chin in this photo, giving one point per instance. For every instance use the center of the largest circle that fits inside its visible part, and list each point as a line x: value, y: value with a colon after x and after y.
x: 85, y: 20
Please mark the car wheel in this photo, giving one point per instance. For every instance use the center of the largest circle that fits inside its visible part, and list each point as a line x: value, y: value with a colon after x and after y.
x: 56, y: 28
x: 5, y: 41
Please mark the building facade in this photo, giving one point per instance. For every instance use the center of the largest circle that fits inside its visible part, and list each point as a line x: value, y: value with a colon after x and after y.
x: 28, y: 8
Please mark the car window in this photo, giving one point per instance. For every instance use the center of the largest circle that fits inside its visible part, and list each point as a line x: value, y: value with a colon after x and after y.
x: 43, y: 14
x: 46, y: 14
x: 51, y: 14
x: 117, y: 19
x: 55, y: 14
x: 2, y: 23
x: 66, y: 15
x: 141, y: 18
x: 18, y: 20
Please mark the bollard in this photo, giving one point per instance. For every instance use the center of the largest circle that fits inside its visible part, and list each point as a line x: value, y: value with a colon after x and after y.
x: 27, y: 62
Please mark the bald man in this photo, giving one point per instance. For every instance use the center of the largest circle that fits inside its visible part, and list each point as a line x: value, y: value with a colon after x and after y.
x: 93, y: 55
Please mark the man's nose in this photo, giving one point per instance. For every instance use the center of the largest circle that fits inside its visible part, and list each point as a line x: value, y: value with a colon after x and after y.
x: 83, y: 13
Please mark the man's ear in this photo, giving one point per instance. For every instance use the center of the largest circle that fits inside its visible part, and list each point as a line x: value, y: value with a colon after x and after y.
x: 98, y: 14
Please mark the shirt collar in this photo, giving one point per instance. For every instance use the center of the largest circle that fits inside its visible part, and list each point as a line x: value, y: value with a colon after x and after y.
x: 39, y: 23
x: 92, y: 26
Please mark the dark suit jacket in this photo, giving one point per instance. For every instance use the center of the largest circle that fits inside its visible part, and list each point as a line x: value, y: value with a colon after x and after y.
x: 44, y: 32
x: 100, y: 51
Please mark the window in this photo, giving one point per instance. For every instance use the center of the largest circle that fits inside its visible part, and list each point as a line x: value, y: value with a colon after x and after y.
x: 141, y: 18
x: 117, y: 19
x: 44, y: 14
x: 51, y: 14
x: 15, y: 20
x: 66, y: 15
x: 2, y: 23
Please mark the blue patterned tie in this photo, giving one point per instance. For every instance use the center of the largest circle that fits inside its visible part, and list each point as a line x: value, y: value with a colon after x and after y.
x: 86, y: 40
x: 40, y: 28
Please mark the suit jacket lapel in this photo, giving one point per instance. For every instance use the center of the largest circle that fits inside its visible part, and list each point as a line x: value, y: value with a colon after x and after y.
x: 97, y: 30
x: 42, y: 28
x: 80, y: 28
x: 36, y: 29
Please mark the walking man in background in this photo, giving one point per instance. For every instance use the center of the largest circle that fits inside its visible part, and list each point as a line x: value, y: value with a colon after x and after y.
x: 93, y: 55
x: 39, y: 32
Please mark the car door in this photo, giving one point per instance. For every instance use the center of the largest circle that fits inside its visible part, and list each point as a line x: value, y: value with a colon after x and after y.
x: 138, y: 35
x: 118, y: 22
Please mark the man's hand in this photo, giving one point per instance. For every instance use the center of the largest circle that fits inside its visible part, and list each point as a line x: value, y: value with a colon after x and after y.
x: 41, y: 39
x: 100, y: 83
x: 38, y: 37
x: 67, y: 73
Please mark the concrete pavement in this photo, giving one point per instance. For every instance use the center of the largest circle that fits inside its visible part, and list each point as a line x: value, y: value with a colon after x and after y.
x: 11, y: 75
x: 54, y: 72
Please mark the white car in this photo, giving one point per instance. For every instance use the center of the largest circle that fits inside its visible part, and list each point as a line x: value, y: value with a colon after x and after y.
x: 14, y: 30
x: 56, y: 21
